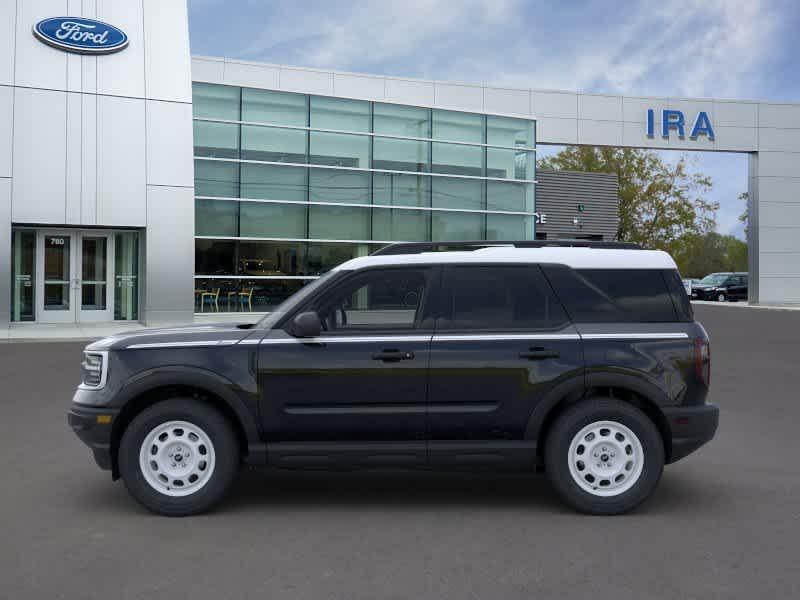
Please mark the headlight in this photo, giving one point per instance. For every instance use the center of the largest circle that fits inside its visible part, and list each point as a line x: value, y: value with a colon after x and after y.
x: 94, y: 369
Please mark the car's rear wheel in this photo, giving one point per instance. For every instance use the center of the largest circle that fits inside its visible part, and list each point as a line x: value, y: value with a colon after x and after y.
x: 178, y: 457
x: 721, y: 297
x: 604, y: 456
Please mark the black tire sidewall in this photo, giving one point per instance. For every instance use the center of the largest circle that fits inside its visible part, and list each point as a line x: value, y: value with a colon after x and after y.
x: 226, y: 452
x: 571, y: 422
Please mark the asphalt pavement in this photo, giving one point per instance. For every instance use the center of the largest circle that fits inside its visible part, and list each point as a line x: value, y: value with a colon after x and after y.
x: 724, y: 523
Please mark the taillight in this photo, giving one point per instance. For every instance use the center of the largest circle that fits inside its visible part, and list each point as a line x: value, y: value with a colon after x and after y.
x: 702, y: 360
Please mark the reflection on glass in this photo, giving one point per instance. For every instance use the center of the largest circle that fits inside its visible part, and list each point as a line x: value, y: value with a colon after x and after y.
x: 396, y: 189
x: 322, y: 257
x: 219, y: 179
x: 243, y: 295
x: 400, y: 155
x: 273, y: 182
x: 271, y: 258
x: 260, y: 219
x: 217, y: 140
x: 338, y: 113
x: 338, y: 222
x: 56, y: 272
x: 215, y: 101
x: 400, y: 225
x: 339, y: 150
x: 457, y: 126
x: 406, y: 121
x: 457, y: 160
x: 509, y: 164
x: 509, y: 227
x: 23, y: 265
x: 266, y: 106
x: 216, y: 217
x: 214, y: 257
x: 126, y: 276
x: 93, y: 273
x: 510, y: 196
x: 333, y: 185
x: 457, y: 193
x: 273, y: 144
x: 453, y: 226
x: 506, y: 131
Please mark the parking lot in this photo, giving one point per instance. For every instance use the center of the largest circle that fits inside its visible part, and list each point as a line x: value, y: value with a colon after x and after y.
x: 723, y: 523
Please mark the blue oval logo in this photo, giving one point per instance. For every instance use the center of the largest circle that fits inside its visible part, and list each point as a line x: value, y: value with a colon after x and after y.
x: 84, y: 36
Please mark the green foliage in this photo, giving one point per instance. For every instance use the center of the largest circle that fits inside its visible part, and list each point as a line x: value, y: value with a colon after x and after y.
x: 699, y: 255
x: 659, y: 202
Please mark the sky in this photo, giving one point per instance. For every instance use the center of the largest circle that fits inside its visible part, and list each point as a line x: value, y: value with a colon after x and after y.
x: 743, y: 49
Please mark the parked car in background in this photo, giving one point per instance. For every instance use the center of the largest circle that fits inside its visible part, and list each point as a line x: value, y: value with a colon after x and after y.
x: 721, y: 287
x: 688, y: 284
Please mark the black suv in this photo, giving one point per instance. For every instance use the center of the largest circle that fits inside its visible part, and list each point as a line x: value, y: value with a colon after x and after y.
x: 721, y: 287
x: 582, y: 361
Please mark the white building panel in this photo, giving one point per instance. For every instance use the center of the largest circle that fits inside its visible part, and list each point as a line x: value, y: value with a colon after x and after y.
x: 8, y: 19
x: 121, y: 167
x: 778, y: 164
x: 74, y: 163
x: 732, y: 139
x: 780, y: 140
x: 36, y: 64
x: 208, y: 69
x: 409, y: 91
x: 507, y: 102
x: 778, y: 239
x: 600, y: 133
x: 554, y: 104
x: 634, y: 110
x: 778, y: 190
x: 39, y: 155
x: 358, y: 86
x: 778, y: 115
x: 89, y: 160
x: 167, y: 61
x: 635, y: 135
x: 735, y: 114
x: 779, y: 290
x: 307, y: 81
x: 6, y: 129
x: 599, y: 108
x: 169, y: 144
x: 781, y: 264
x: 250, y: 75
x: 464, y: 97
x: 552, y: 130
x: 122, y: 73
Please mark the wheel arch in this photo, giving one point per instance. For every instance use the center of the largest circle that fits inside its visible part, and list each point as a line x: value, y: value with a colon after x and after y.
x: 151, y: 387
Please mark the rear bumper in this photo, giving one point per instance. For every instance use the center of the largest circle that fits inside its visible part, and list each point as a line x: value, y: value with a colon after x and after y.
x: 691, y: 426
x: 94, y: 432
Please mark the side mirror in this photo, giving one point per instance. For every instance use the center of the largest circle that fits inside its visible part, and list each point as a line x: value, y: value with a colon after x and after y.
x: 306, y: 325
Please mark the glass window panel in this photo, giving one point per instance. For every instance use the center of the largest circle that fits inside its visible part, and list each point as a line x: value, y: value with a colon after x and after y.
x: 338, y: 113
x: 401, y: 190
x: 57, y: 272
x: 23, y: 264
x: 126, y: 276
x: 454, y: 226
x: 273, y: 182
x: 269, y: 293
x: 271, y: 258
x: 214, y: 257
x: 399, y: 155
x: 509, y: 227
x: 458, y: 160
x: 339, y: 223
x: 219, y: 140
x: 457, y: 126
x: 509, y: 164
x: 211, y: 101
x: 93, y: 273
x: 273, y: 144
x: 283, y: 108
x: 212, y: 178
x: 216, y: 217
x: 501, y: 195
x: 457, y: 193
x: 400, y: 225
x: 334, y: 185
x: 409, y: 121
x: 322, y: 257
x: 259, y: 219
x: 339, y: 150
x: 506, y: 131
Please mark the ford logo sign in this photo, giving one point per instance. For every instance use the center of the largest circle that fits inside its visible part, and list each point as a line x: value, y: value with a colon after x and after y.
x: 84, y: 36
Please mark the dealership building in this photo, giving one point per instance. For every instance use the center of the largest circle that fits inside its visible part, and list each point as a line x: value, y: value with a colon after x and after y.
x: 138, y: 183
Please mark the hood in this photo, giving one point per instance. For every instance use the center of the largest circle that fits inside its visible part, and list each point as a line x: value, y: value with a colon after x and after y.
x: 211, y: 334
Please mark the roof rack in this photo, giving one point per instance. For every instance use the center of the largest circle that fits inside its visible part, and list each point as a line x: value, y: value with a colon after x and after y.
x: 419, y: 247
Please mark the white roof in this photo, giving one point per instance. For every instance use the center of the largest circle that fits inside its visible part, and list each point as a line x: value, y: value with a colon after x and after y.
x: 577, y: 258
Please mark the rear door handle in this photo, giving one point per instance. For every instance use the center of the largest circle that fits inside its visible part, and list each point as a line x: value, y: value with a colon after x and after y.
x: 392, y: 356
x: 539, y: 354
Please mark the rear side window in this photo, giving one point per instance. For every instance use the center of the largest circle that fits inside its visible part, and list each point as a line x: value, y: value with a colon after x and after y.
x: 613, y: 295
x: 497, y: 298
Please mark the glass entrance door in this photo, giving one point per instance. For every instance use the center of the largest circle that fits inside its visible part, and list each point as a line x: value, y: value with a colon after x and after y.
x: 73, y: 281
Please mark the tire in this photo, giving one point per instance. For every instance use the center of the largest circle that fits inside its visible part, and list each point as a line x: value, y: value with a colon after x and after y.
x: 721, y: 297
x: 628, y: 483
x: 178, y: 457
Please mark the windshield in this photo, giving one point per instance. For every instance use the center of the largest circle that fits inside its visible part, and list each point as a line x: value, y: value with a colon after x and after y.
x: 713, y: 279
x: 268, y: 321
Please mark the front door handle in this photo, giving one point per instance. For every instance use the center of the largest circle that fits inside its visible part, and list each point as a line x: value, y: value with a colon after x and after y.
x: 392, y: 356
x: 539, y: 354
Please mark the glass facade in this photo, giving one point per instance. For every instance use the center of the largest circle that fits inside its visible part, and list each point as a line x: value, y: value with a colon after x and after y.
x: 290, y: 185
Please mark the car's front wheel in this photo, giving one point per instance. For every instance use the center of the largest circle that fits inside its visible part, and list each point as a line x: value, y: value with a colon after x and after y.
x: 604, y: 456
x: 721, y: 297
x: 178, y: 457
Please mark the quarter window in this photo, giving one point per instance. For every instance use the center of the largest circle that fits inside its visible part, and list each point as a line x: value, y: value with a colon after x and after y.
x: 496, y: 298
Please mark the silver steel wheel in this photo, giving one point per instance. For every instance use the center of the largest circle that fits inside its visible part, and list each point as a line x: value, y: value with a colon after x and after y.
x: 177, y: 458
x: 605, y: 458
x: 721, y: 298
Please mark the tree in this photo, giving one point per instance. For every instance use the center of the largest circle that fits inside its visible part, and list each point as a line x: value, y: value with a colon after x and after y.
x: 699, y: 255
x: 659, y: 202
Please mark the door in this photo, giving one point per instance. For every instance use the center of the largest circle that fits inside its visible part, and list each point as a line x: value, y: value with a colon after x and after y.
x: 72, y: 283
x: 362, y: 380
x: 502, y: 342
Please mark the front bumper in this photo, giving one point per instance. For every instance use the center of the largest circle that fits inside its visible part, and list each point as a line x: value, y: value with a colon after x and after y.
x: 691, y: 426
x: 93, y: 427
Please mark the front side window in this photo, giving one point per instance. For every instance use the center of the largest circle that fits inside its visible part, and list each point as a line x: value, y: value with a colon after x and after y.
x: 491, y: 298
x: 386, y: 299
